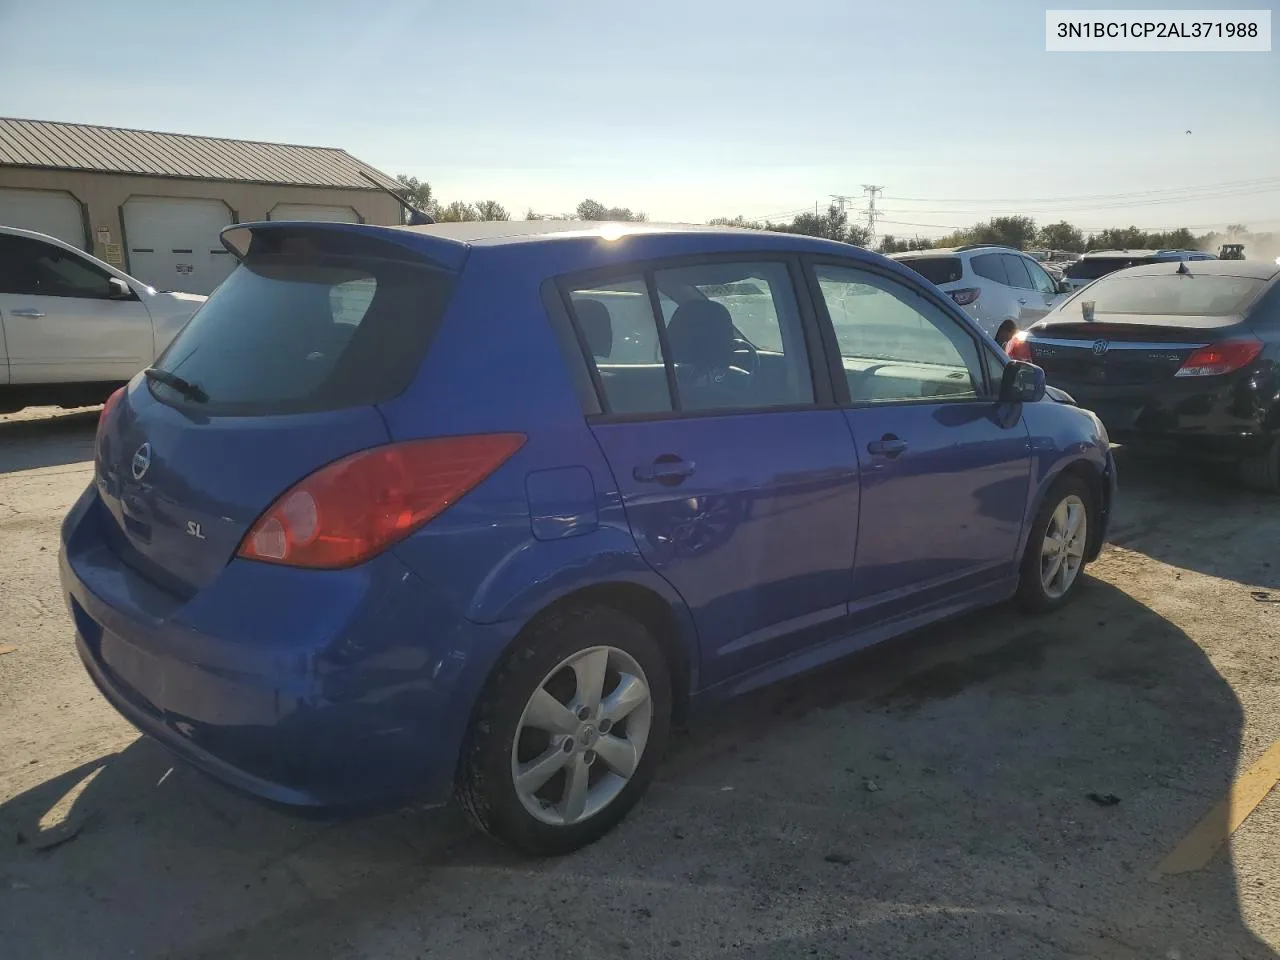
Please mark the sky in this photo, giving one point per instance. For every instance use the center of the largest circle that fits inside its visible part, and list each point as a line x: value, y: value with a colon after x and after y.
x: 689, y: 109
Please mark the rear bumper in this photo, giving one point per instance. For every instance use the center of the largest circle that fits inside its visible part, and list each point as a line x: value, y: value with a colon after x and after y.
x: 333, y: 689
x: 1191, y: 415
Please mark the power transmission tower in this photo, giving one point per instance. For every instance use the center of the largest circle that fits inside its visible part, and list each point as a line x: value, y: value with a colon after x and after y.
x: 871, y: 213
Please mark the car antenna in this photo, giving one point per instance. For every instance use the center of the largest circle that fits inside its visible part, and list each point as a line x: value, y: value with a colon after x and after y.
x: 416, y: 217
x: 1182, y: 268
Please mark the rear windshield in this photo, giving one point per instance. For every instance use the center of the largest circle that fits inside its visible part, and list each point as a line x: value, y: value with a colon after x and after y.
x: 1091, y: 268
x: 301, y: 327
x: 936, y: 270
x: 1174, y: 295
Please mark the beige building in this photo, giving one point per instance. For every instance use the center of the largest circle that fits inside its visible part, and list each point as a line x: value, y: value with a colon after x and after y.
x: 153, y: 204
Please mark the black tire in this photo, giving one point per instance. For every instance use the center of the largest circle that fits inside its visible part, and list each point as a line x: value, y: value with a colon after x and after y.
x: 1031, y: 595
x: 1262, y: 472
x: 485, y: 789
x: 1005, y: 333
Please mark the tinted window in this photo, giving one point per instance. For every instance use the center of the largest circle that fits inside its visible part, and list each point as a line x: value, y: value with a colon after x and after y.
x: 735, y: 336
x: 615, y: 320
x: 1091, y: 268
x: 1174, y: 295
x: 308, y: 330
x: 936, y: 269
x: 1016, y: 270
x: 35, y: 268
x: 1039, y: 279
x: 894, y: 344
x: 990, y: 266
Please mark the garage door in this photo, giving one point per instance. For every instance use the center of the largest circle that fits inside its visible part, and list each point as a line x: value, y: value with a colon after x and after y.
x: 312, y: 211
x: 173, y: 242
x: 54, y: 212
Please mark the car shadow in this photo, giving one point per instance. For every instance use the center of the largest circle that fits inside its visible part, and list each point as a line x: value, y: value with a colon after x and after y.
x: 30, y: 442
x: 995, y: 786
x: 1183, y: 513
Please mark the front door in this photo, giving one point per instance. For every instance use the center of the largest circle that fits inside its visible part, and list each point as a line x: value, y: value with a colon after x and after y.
x: 1046, y: 295
x: 740, y: 491
x: 63, y: 320
x: 945, y: 472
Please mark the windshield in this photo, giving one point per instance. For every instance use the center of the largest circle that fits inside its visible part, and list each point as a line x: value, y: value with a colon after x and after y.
x: 1184, y: 295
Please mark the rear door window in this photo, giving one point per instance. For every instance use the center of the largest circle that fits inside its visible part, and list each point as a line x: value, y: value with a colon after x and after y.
x: 732, y: 334
x: 308, y: 325
x: 989, y: 266
x: 616, y: 324
x: 1016, y: 270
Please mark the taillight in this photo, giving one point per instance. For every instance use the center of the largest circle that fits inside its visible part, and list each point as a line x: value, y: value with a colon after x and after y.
x: 964, y: 297
x: 1017, y: 348
x: 107, y: 407
x: 1221, y: 357
x: 358, y: 506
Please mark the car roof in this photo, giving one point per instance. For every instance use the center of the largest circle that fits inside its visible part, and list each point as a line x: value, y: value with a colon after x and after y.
x: 499, y: 232
x: 1162, y: 252
x: 461, y: 237
x: 930, y: 252
x: 1255, y: 269
x: 954, y: 251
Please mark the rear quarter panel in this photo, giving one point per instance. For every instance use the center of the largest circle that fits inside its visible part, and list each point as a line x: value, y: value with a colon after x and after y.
x: 548, y: 522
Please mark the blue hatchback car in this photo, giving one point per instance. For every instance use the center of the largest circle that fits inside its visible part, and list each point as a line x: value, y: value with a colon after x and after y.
x: 480, y: 509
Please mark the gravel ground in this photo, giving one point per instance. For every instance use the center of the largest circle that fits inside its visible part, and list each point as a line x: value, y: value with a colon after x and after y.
x: 927, y: 799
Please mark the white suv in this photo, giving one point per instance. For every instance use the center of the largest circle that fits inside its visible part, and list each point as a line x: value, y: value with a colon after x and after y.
x: 1003, y: 289
x: 73, y: 328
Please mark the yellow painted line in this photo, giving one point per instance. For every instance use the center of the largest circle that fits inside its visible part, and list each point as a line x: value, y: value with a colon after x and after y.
x: 1212, y: 833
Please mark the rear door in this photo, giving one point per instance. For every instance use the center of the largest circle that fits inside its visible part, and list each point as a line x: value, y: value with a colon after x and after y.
x: 63, y: 320
x: 945, y: 471
x: 285, y: 363
x: 741, y: 489
x: 1030, y: 306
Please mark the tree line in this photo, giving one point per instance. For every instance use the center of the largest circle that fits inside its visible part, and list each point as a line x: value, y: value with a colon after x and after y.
x: 1019, y: 232
x: 419, y: 194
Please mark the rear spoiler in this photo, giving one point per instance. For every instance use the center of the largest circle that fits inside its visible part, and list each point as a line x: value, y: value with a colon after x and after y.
x: 339, y: 239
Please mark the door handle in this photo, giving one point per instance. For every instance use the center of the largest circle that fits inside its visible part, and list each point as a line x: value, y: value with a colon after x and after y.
x: 31, y: 312
x: 1022, y: 299
x: 887, y: 446
x: 668, y: 470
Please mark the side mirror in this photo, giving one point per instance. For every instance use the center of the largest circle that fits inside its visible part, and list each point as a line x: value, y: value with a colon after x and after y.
x: 1064, y: 287
x: 1022, y: 382
x: 119, y: 289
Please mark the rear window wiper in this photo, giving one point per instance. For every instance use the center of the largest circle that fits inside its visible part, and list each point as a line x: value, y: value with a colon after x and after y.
x: 188, y: 389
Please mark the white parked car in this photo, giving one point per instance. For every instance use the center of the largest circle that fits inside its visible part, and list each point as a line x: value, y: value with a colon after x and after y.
x: 1003, y: 289
x: 75, y: 328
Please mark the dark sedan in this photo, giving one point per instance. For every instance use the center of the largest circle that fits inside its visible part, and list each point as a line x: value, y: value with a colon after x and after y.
x: 1177, y: 355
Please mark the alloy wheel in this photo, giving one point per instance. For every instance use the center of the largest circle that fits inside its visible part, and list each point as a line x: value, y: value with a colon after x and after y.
x: 1062, y: 552
x: 581, y: 735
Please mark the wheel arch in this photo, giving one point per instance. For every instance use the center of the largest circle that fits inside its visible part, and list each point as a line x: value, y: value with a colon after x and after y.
x: 1095, y: 478
x: 665, y: 624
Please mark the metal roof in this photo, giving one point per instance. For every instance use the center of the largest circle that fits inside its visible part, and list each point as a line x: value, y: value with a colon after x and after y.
x: 79, y: 146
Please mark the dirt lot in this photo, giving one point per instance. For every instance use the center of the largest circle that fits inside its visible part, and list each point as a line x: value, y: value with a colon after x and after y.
x: 928, y: 799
